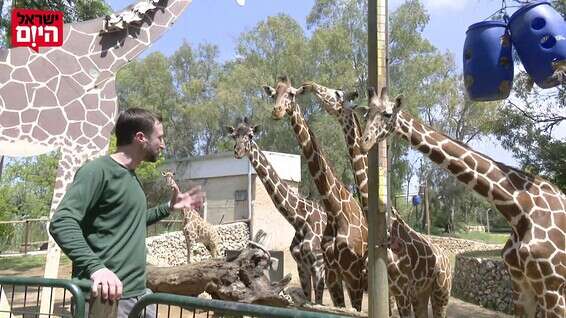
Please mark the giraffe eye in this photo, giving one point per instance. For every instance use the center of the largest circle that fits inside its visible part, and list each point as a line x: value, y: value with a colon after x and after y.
x: 387, y: 115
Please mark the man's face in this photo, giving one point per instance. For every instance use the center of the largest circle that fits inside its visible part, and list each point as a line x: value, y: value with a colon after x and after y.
x: 155, y: 143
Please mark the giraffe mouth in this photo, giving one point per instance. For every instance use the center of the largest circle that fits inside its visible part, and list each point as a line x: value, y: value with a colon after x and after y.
x: 277, y: 114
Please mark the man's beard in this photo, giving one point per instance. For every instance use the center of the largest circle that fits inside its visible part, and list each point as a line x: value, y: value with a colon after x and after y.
x: 151, y: 156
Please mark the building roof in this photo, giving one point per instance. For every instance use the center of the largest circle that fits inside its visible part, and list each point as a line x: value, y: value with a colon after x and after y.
x: 287, y: 166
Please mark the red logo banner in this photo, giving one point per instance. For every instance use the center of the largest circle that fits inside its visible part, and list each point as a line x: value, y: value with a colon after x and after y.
x: 37, y: 28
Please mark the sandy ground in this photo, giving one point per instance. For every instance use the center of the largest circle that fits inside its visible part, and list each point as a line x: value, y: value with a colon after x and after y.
x: 456, y: 308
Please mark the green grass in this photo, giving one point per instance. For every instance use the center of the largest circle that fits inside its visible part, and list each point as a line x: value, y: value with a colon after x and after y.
x: 490, y: 254
x: 23, y: 263
x: 490, y: 238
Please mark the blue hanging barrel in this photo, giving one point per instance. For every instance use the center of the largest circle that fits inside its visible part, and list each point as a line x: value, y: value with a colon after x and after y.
x: 539, y: 35
x: 416, y: 200
x: 488, y: 62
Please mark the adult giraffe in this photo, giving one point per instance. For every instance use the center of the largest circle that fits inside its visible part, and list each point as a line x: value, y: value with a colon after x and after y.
x: 535, y: 254
x: 417, y: 269
x: 307, y: 217
x: 345, y: 235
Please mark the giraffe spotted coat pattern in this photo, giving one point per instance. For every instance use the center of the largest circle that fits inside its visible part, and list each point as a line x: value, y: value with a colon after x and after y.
x: 345, y: 235
x: 195, y: 228
x: 535, y: 253
x: 417, y: 269
x: 307, y: 217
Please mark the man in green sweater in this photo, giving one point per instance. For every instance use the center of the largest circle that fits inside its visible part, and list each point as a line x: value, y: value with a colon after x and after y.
x: 101, y: 222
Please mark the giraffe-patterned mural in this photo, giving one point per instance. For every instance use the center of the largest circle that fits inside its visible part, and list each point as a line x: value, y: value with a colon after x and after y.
x: 417, y: 269
x: 307, y: 217
x: 535, y: 254
x: 345, y: 236
x: 64, y: 98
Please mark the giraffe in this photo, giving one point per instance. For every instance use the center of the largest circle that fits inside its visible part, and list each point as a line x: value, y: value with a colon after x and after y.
x: 307, y: 217
x: 411, y: 282
x: 345, y: 236
x: 64, y: 98
x: 535, y: 254
x: 195, y: 228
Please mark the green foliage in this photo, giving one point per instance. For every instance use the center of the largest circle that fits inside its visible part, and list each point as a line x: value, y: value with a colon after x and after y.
x: 27, y: 186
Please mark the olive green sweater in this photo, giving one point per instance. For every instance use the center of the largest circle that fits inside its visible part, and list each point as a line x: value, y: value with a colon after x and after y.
x: 101, y: 222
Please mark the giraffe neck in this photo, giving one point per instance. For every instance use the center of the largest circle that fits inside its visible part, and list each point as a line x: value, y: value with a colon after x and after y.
x: 358, y: 159
x: 278, y: 189
x: 490, y: 179
x: 352, y: 133
x: 324, y: 178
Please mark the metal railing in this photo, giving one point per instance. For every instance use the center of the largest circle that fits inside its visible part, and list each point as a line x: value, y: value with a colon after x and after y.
x: 21, y: 296
x: 197, y: 307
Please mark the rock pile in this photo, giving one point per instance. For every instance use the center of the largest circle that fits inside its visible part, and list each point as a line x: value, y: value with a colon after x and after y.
x: 456, y: 246
x: 484, y: 282
x: 170, y: 249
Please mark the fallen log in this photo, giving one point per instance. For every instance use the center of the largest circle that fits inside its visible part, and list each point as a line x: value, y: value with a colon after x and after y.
x: 243, y: 279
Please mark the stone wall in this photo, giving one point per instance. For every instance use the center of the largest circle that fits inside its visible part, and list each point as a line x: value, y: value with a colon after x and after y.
x: 483, y: 281
x: 170, y: 249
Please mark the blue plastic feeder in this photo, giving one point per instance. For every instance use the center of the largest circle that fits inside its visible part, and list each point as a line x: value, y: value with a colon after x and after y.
x: 539, y: 35
x: 488, y: 62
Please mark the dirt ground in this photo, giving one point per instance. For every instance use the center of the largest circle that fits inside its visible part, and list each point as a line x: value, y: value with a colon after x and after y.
x: 456, y: 308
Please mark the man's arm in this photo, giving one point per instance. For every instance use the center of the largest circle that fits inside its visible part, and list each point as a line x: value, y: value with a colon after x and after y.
x: 157, y: 213
x: 66, y: 224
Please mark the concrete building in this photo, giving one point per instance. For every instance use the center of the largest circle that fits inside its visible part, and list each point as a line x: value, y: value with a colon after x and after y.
x: 234, y: 193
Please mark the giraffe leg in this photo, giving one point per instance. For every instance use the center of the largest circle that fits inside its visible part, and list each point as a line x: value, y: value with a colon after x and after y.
x: 318, y: 277
x: 189, y: 245
x: 404, y: 306
x: 305, y: 279
x: 335, y: 286
x: 420, y: 305
x: 356, y: 293
x: 441, y: 293
x: 524, y: 300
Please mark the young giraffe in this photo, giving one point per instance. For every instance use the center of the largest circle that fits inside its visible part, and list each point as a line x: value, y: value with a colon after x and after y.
x: 535, y: 254
x: 345, y: 236
x: 195, y: 228
x: 307, y: 217
x: 418, y: 269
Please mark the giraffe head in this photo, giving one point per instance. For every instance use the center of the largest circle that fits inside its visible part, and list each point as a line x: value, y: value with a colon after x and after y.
x: 381, y: 117
x: 169, y: 177
x: 243, y: 136
x: 334, y: 100
x: 284, y: 96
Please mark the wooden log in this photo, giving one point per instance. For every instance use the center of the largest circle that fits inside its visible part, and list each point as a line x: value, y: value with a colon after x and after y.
x: 243, y: 279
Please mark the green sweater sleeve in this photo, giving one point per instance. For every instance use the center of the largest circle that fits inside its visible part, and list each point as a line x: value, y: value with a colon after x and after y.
x: 157, y: 213
x: 65, y: 226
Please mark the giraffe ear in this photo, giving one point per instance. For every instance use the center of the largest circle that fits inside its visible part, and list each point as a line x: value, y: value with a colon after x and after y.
x: 362, y: 110
x: 256, y: 129
x: 371, y: 92
x: 269, y: 91
x: 398, y: 103
x: 299, y: 90
x: 350, y: 96
x: 229, y: 129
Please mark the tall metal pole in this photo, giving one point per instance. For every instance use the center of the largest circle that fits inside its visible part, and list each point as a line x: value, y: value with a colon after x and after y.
x: 378, y: 291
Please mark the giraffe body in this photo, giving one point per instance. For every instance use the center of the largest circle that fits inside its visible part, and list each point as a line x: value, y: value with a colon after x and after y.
x: 195, y: 227
x: 417, y: 269
x: 307, y: 217
x: 345, y: 236
x: 535, y: 253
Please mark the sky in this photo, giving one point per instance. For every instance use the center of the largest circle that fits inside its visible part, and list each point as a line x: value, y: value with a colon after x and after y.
x: 220, y: 22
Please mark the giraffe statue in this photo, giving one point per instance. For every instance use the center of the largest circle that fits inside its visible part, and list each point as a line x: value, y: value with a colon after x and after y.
x: 345, y: 236
x: 409, y: 283
x: 64, y: 98
x: 195, y: 228
x: 307, y: 217
x: 535, y: 253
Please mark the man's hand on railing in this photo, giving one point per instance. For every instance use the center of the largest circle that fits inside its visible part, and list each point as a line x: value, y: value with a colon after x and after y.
x: 111, y: 286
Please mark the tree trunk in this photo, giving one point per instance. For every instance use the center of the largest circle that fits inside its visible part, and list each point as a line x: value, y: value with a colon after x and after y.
x: 243, y: 279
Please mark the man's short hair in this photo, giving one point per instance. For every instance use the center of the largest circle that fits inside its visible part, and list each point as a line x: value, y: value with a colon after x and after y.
x: 134, y: 120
